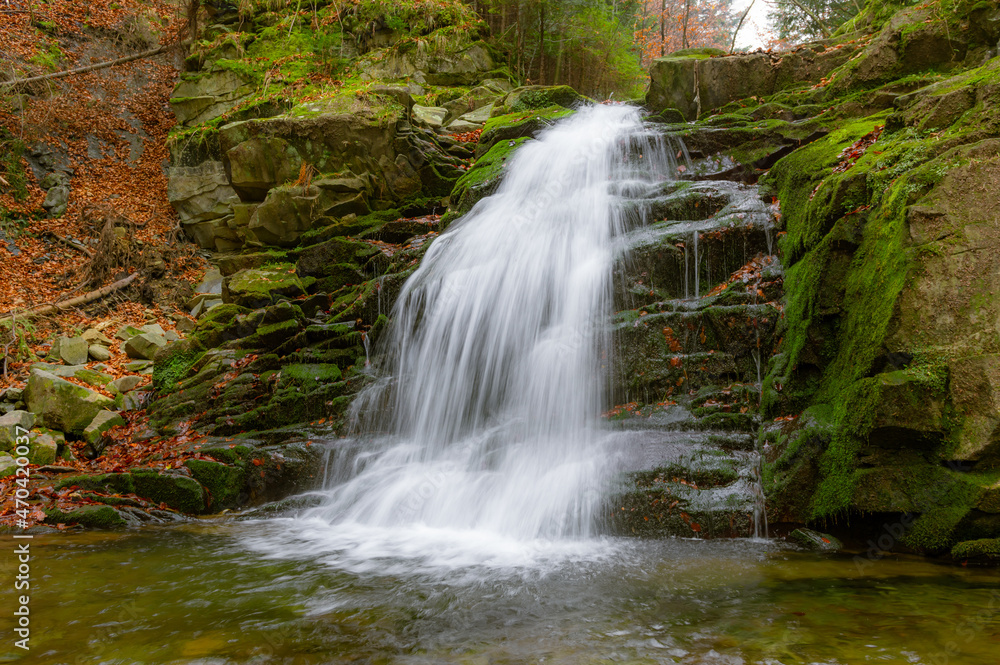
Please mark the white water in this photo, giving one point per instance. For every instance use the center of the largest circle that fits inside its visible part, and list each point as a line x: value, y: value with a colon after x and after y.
x: 497, y: 358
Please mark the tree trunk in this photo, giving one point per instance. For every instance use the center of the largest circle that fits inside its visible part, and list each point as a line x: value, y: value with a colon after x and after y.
x: 541, y: 41
x: 687, y: 16
x: 663, y: 28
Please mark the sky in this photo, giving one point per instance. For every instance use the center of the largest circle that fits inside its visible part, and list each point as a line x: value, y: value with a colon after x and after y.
x: 754, y: 30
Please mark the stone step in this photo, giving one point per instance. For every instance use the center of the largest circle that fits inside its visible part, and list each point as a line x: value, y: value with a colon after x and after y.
x: 681, y: 484
x: 666, y: 353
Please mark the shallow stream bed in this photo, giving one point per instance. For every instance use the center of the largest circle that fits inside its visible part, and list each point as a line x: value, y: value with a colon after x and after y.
x: 283, y: 591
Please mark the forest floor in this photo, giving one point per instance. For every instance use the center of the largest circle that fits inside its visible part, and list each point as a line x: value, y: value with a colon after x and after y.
x: 107, y: 130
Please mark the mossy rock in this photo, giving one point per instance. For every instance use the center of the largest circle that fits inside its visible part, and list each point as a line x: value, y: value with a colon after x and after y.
x: 527, y: 98
x: 223, y: 482
x: 93, y: 517
x: 506, y: 127
x: 485, y: 177
x: 259, y: 287
x: 175, y: 490
x: 984, y: 549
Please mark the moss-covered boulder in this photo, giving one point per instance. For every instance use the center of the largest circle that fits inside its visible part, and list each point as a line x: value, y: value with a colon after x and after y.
x: 62, y: 405
x: 258, y: 287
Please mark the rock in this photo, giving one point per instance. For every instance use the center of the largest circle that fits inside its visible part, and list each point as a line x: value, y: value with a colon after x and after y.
x: 984, y: 549
x: 479, y: 116
x: 127, y: 332
x: 95, y: 337
x: 94, y: 517
x: 13, y: 425
x: 13, y: 394
x: 126, y: 383
x: 814, y: 540
x: 63, y: 405
x: 257, y: 288
x: 8, y: 467
x: 138, y: 365
x: 176, y: 490
x: 172, y: 336
x: 429, y: 116
x: 210, y: 283
x: 137, y: 399
x: 73, y: 350
x: 448, y: 60
x: 200, y: 193
x: 185, y: 325
x: 56, y: 201
x: 461, y: 126
x: 94, y: 377
x: 101, y: 423
x: 259, y: 164
x: 44, y: 448
x: 531, y: 97
x: 144, y: 346
x: 99, y: 353
x: 208, y: 96
x: 153, y: 328
x: 723, y: 79
x: 54, y: 179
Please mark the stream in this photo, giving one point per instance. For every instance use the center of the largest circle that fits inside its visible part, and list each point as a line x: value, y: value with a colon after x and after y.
x: 217, y: 593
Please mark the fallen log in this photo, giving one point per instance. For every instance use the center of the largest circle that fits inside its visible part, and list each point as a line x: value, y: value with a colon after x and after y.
x: 77, y: 301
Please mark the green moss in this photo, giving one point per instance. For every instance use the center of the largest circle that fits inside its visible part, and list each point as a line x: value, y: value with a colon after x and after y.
x: 985, y: 548
x: 485, y: 175
x: 224, y: 482
x: 170, y: 370
x: 176, y: 491
x: 94, y: 517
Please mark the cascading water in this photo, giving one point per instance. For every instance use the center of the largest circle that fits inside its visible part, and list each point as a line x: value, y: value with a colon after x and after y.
x: 497, y: 351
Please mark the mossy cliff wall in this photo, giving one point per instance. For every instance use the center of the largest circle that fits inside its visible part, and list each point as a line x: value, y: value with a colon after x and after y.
x: 890, y: 354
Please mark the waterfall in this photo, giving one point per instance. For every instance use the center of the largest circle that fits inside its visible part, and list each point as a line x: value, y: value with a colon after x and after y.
x: 494, y: 351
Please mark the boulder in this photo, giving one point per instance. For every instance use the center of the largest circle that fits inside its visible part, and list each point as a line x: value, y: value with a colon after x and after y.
x: 99, y: 352
x: 530, y: 97
x: 12, y: 425
x: 429, y: 116
x: 257, y: 287
x: 126, y: 383
x: 138, y: 365
x: 96, y: 337
x: 8, y: 467
x: 461, y: 126
x: 448, y: 60
x: 63, y: 405
x: 210, y: 283
x: 73, y: 350
x: 205, y: 96
x: 200, y: 193
x: 101, y: 423
x: 43, y: 448
x: 144, y: 346
x: 56, y: 201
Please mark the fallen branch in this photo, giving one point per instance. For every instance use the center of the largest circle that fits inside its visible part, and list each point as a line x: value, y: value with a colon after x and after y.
x: 71, y: 243
x: 79, y: 300
x: 88, y: 68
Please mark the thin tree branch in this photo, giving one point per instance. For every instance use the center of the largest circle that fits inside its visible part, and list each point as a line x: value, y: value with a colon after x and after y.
x: 88, y: 68
x: 732, y: 45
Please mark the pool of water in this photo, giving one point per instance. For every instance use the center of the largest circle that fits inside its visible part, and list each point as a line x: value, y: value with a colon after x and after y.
x: 287, y: 591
